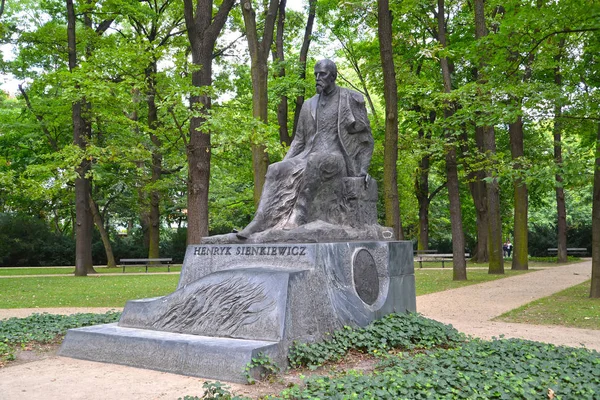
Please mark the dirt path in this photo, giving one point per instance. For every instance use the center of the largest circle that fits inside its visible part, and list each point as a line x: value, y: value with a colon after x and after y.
x: 469, y: 309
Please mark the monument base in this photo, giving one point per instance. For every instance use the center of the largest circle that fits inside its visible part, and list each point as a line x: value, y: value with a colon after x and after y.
x: 191, y: 355
x: 236, y: 300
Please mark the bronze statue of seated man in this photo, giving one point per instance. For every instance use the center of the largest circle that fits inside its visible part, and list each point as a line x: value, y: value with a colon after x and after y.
x: 333, y: 142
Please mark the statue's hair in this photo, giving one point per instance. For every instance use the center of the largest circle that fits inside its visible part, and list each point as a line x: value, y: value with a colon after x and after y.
x: 330, y: 65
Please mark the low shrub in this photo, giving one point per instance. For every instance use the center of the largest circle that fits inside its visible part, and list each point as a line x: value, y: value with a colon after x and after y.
x: 498, y: 369
x: 395, y: 331
x: 44, y: 328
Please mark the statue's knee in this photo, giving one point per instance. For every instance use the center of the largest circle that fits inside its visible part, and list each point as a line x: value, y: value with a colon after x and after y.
x: 273, y: 170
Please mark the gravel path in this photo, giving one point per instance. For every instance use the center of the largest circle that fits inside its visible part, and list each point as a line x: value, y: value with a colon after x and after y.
x: 469, y: 309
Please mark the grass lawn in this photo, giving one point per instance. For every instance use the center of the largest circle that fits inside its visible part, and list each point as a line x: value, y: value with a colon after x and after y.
x: 435, y: 280
x: 69, y: 270
x: 571, y: 307
x: 538, y: 262
x: 114, y: 291
x: 92, y: 291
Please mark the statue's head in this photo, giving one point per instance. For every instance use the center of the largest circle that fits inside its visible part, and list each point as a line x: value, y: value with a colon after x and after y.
x: 325, y: 75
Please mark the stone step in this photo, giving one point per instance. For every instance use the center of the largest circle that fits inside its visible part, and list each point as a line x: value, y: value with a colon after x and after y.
x: 191, y: 355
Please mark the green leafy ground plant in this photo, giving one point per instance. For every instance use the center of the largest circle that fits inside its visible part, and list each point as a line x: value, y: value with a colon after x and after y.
x: 395, y: 331
x: 44, y: 328
x: 261, y: 366
x: 498, y: 369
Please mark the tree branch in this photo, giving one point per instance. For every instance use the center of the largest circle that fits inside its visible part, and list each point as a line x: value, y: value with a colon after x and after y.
x: 40, y: 119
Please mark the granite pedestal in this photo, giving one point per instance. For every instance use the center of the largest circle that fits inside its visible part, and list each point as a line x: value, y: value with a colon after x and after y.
x: 236, y: 300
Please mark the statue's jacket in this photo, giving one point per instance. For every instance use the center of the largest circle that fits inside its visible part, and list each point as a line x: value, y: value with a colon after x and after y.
x: 354, y: 130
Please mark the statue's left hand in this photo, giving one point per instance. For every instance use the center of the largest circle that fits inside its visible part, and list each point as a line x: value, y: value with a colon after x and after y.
x: 367, y: 179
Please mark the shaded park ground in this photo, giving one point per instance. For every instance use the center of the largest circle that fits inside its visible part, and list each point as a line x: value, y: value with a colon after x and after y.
x: 472, y: 309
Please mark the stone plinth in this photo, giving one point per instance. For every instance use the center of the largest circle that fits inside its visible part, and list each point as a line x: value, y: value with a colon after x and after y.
x: 235, y: 300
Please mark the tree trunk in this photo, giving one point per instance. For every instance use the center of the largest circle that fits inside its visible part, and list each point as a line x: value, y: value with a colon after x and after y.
x: 83, y: 215
x: 203, y: 32
x: 458, y: 238
x: 422, y: 194
x: 110, y: 258
x: 496, y: 259
x: 561, y: 209
x: 390, y: 94
x: 424, y: 198
x: 595, y: 286
x: 303, y: 54
x: 259, y: 53
x: 520, y: 258
x: 199, y: 154
x: 278, y: 57
x: 260, y: 157
x: 478, y: 190
x: 153, y: 124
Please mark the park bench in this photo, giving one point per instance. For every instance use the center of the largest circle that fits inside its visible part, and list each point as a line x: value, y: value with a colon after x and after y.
x: 423, y: 252
x: 572, y: 251
x: 447, y: 257
x: 147, y: 262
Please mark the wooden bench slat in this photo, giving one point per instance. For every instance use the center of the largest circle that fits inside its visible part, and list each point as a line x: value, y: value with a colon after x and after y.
x: 443, y: 257
x: 571, y: 250
x: 147, y: 262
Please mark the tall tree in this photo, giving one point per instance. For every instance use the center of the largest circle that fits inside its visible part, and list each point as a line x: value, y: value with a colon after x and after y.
x: 303, y: 55
x: 561, y: 209
x: 496, y: 258
x: 203, y: 30
x: 478, y: 189
x: 458, y: 238
x: 390, y: 93
x: 81, y: 136
x: 595, y: 285
x: 156, y: 26
x: 279, y: 60
x: 259, y: 48
x: 520, y: 258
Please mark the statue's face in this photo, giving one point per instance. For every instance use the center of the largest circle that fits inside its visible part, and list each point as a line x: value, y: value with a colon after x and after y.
x: 324, y: 77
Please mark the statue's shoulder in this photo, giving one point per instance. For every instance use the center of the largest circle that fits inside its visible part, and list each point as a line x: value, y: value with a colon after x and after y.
x: 353, y: 94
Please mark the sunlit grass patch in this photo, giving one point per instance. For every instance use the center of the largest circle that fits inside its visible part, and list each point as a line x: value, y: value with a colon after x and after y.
x: 90, y: 291
x: 571, y: 307
x: 431, y: 281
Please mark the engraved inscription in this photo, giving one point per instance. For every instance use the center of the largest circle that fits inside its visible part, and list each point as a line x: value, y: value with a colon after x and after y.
x: 250, y: 251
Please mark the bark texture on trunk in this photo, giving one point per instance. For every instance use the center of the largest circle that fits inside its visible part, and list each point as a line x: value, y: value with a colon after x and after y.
x: 390, y: 94
x: 153, y: 124
x: 478, y: 190
x: 520, y: 257
x: 110, y: 258
x: 595, y: 286
x: 458, y: 238
x: 259, y: 53
x: 203, y: 30
x: 561, y: 209
x: 279, y: 57
x: 496, y: 257
x: 422, y: 194
x: 303, y: 54
x: 83, y: 215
